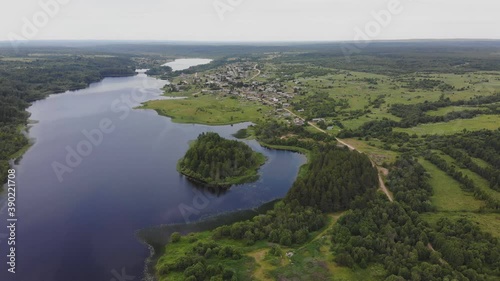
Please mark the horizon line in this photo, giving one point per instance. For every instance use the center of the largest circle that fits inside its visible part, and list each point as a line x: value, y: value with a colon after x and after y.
x: 240, y: 41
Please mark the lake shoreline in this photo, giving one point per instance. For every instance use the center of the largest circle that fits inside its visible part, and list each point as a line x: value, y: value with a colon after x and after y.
x: 156, y: 247
x: 251, y: 174
x: 29, y: 123
x: 72, y: 112
x: 157, y: 237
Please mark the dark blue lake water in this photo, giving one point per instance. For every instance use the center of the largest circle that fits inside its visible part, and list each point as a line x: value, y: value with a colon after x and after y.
x: 99, y: 170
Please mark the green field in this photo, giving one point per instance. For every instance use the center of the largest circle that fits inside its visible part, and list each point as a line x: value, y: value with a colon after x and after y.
x: 448, y: 195
x: 376, y: 114
x: 480, y: 162
x: 209, y: 110
x: 489, y: 122
x: 478, y: 180
x: 352, y: 86
x: 454, y: 203
x: 446, y: 110
x: 314, y: 261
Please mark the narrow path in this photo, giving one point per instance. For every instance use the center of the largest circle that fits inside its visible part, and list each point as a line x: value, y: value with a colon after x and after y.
x: 259, y: 256
x: 381, y: 181
x: 381, y: 171
x: 256, y: 75
x: 346, y: 144
x: 430, y: 247
x: 335, y: 217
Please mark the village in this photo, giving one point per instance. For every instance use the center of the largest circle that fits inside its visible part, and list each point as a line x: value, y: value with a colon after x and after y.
x: 239, y: 80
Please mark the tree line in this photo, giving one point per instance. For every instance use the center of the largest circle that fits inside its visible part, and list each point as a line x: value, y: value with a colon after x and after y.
x: 394, y: 235
x: 278, y: 133
x: 414, y: 114
x: 289, y: 223
x: 467, y: 183
x: 483, y: 144
x: 334, y: 179
x: 28, y: 79
x: 319, y: 105
x: 490, y: 174
x: 219, y: 162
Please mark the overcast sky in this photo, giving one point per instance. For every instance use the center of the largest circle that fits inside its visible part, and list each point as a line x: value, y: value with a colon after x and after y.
x: 248, y: 20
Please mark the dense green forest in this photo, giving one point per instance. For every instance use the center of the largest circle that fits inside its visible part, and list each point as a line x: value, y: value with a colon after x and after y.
x: 290, y: 223
x: 27, y: 79
x: 458, y: 56
x: 394, y: 235
x: 334, y: 179
x: 397, y: 58
x: 218, y: 162
x: 375, y: 231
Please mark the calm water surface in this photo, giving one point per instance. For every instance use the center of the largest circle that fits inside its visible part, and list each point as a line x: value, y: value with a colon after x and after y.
x: 82, y: 228
x: 181, y: 64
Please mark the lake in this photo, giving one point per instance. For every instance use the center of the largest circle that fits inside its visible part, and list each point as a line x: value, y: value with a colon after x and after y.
x: 180, y: 64
x: 99, y: 170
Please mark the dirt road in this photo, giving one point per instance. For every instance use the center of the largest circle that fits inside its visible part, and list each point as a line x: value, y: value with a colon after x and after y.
x: 381, y: 171
x: 256, y: 75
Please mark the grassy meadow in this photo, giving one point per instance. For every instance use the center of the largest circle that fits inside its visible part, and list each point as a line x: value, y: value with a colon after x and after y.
x: 209, y: 110
x: 489, y: 122
x: 448, y: 195
x: 360, y: 88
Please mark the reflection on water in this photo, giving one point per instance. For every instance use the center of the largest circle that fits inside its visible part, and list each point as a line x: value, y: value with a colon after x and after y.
x: 83, y: 227
x: 181, y: 64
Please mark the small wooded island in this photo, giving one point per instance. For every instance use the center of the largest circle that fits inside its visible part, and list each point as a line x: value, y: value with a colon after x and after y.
x: 217, y: 162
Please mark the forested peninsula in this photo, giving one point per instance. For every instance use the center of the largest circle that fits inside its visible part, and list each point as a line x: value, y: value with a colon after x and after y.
x: 225, y: 253
x: 217, y: 162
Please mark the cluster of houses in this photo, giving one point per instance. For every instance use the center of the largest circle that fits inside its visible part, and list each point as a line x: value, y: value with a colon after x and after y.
x: 239, y: 80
